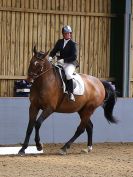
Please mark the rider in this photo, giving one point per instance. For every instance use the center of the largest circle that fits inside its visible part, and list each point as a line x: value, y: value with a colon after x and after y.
x: 67, y: 50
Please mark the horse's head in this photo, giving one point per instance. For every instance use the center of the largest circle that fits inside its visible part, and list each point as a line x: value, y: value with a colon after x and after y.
x: 39, y: 64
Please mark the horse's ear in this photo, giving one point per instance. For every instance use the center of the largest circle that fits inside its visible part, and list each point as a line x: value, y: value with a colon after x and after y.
x: 46, y: 53
x: 34, y: 49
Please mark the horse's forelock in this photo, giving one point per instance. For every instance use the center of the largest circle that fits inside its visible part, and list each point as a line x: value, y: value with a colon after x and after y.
x: 40, y: 55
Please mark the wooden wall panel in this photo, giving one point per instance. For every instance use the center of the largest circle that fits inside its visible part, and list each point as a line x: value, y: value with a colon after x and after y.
x: 24, y: 23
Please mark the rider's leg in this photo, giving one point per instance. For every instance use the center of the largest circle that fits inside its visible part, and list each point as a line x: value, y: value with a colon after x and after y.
x: 70, y: 89
x: 69, y: 70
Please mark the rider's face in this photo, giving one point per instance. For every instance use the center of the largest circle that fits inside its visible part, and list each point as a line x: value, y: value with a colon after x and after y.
x: 67, y: 35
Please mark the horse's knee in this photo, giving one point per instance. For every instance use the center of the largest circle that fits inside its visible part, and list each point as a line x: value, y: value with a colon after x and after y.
x: 80, y: 130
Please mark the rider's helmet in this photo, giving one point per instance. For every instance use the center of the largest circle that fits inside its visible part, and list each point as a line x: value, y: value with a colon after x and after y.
x: 66, y: 29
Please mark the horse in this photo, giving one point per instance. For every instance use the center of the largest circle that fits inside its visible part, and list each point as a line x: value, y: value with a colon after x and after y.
x: 47, y: 95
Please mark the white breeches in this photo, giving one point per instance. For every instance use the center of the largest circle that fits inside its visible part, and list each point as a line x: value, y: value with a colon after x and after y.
x: 69, y: 70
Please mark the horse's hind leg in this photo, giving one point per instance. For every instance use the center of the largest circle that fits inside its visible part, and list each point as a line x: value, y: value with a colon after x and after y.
x: 84, y: 116
x: 89, y: 129
x: 38, y: 124
x: 86, y: 123
x: 33, y: 111
x: 79, y: 131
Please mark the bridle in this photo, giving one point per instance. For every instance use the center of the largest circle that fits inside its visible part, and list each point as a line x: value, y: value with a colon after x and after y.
x: 34, y: 76
x: 44, y: 72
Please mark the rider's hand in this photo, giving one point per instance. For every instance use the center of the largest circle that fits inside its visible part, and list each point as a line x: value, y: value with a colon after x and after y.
x: 50, y: 59
x: 61, y: 61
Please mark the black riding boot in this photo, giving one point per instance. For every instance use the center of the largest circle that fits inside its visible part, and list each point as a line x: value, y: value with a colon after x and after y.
x: 70, y: 90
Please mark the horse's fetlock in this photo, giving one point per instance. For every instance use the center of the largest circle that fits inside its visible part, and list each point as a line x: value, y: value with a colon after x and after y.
x: 37, y: 140
x: 24, y: 146
x: 37, y: 125
x: 68, y: 146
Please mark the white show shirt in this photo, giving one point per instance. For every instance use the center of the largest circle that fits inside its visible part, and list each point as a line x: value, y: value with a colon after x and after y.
x: 65, y: 42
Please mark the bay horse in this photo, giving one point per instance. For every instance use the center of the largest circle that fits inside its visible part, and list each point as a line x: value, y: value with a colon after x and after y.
x: 47, y: 95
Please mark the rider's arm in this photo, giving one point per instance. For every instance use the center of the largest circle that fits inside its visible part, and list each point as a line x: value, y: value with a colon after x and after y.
x: 55, y: 49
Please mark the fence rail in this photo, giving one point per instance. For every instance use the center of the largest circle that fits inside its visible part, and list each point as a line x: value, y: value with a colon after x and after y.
x: 38, y: 11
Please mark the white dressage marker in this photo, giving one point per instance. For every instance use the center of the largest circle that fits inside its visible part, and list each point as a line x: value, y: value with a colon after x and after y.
x: 15, y: 150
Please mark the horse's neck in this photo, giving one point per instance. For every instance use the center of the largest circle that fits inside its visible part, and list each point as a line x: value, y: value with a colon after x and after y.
x: 46, y: 80
x: 48, y: 86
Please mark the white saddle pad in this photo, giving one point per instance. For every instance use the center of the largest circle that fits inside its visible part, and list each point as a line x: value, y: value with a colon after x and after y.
x: 78, y: 81
x: 78, y: 84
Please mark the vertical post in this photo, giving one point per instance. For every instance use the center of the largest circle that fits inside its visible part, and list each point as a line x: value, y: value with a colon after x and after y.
x: 126, y: 51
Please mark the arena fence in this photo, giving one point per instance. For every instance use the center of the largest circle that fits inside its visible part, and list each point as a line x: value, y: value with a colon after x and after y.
x: 60, y: 127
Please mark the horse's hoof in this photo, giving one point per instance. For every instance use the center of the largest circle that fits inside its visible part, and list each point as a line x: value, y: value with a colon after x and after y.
x: 62, y: 152
x: 39, y: 147
x: 21, y: 152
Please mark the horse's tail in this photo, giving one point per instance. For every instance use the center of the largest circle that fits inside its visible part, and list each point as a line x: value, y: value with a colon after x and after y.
x: 109, y: 102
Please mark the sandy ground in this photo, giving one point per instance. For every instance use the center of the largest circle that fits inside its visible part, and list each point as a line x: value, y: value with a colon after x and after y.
x: 106, y: 160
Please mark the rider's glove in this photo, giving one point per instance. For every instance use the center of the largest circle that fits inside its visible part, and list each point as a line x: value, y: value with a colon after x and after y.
x: 61, y: 61
x: 50, y: 59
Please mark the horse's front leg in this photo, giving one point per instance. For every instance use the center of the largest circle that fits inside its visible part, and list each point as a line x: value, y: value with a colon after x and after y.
x: 33, y: 111
x: 38, y: 124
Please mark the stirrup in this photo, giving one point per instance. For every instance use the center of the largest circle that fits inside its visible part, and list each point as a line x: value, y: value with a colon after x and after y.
x: 71, y: 97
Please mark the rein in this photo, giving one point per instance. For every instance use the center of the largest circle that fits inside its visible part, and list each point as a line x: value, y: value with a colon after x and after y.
x: 43, y: 73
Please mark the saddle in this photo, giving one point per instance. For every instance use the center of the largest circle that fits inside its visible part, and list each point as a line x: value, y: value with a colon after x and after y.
x: 77, y: 81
